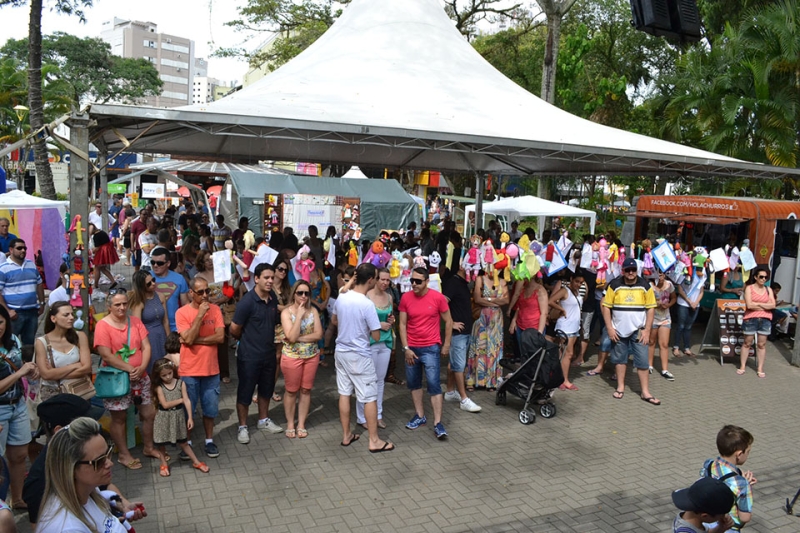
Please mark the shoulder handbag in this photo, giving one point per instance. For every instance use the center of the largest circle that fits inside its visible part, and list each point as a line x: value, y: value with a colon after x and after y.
x: 82, y: 387
x: 112, y: 382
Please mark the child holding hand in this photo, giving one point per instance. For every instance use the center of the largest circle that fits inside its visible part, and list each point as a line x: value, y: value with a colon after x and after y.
x: 172, y: 423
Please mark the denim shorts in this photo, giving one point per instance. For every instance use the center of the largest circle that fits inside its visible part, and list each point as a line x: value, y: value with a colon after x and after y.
x: 586, y: 324
x: 16, y: 425
x: 458, y: 352
x: 427, y: 359
x: 627, y: 346
x: 762, y: 326
x: 206, y: 390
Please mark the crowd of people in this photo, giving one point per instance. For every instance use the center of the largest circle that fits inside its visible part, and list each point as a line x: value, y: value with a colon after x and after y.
x: 426, y: 294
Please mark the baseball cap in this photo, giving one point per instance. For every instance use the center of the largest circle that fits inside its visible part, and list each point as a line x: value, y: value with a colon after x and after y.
x: 629, y: 263
x: 62, y: 409
x: 706, y: 495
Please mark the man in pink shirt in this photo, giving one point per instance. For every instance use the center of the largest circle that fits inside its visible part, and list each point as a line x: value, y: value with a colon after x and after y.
x: 420, y: 311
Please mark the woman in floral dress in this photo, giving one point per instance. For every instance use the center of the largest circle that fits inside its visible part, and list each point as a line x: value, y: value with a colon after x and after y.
x: 486, y: 342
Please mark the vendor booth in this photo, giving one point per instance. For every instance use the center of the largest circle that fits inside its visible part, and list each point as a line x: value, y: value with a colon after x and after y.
x: 40, y: 223
x: 772, y: 227
x: 519, y: 207
x: 319, y: 201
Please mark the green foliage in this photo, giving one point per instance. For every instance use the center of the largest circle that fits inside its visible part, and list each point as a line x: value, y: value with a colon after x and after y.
x: 87, y: 66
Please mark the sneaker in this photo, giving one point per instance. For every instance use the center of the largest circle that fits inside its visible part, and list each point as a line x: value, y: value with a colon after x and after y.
x: 668, y: 375
x: 651, y: 369
x: 270, y: 426
x: 416, y: 422
x: 469, y: 405
x: 243, y: 435
x: 212, y: 450
x: 183, y: 456
x: 438, y: 429
x: 452, y: 396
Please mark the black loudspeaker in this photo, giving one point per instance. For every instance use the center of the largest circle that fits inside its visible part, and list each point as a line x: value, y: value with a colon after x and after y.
x: 676, y: 19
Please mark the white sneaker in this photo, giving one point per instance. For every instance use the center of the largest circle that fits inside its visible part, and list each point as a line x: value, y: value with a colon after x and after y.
x: 469, y: 405
x: 243, y: 435
x: 452, y: 396
x: 270, y: 426
x: 98, y: 295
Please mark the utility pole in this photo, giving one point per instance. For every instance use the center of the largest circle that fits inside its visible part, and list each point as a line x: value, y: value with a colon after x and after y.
x: 79, y: 198
x: 102, y: 157
x: 479, y: 181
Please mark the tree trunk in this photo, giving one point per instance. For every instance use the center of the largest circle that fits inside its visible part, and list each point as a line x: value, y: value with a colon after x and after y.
x: 551, y: 56
x: 44, y: 174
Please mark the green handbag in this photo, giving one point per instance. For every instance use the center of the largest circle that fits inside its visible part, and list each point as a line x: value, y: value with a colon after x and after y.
x: 112, y: 382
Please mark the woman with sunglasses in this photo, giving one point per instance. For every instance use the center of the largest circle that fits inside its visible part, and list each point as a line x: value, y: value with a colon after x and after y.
x: 303, y: 329
x: 760, y: 301
x: 151, y: 308
x: 122, y: 342
x: 216, y: 296
x: 282, y: 290
x: 78, y: 463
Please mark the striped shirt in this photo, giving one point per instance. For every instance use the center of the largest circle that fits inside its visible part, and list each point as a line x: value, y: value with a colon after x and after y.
x: 220, y: 236
x: 18, y: 284
x: 629, y: 304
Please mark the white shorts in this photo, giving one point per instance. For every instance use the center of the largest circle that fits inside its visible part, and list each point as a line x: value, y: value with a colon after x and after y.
x: 356, y: 372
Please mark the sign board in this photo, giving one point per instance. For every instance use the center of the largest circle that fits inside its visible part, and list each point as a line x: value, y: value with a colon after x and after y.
x: 117, y: 188
x: 153, y: 190
x: 725, y: 327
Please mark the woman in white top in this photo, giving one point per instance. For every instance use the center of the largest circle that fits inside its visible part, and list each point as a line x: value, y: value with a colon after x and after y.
x: 690, y: 293
x: 568, y: 303
x: 662, y: 323
x: 71, y: 355
x: 78, y: 462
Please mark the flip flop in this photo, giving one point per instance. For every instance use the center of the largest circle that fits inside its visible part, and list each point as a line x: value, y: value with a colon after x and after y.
x: 201, y: 467
x: 571, y: 386
x: 302, y: 433
x: 593, y: 373
x: 676, y: 352
x: 353, y: 437
x: 134, y: 464
x: 291, y: 433
x: 740, y: 371
x: 761, y: 374
x: 619, y: 394
x: 385, y: 448
x: 688, y: 353
x: 164, y: 471
x: 276, y: 397
x: 651, y: 400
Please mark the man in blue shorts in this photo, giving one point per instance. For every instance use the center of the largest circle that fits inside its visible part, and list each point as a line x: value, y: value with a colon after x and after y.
x: 459, y: 299
x: 628, y: 310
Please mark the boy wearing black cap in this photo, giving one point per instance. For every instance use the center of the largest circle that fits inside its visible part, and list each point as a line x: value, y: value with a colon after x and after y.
x: 707, y: 501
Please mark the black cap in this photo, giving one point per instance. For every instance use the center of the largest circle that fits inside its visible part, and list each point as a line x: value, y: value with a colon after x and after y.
x: 707, y: 495
x: 62, y: 409
x: 629, y: 263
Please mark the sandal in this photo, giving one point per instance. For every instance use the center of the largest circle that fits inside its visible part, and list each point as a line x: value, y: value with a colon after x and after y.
x: 676, y: 352
x: 761, y: 374
x: 394, y: 381
x: 164, y: 471
x: 740, y: 371
x: 133, y: 464
x: 302, y: 433
x: 688, y: 353
x: 19, y: 506
x: 651, y: 400
x: 276, y: 397
x: 201, y: 467
x: 291, y: 433
x: 618, y: 394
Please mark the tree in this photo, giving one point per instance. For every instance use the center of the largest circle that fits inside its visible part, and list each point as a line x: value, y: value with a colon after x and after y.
x: 87, y: 66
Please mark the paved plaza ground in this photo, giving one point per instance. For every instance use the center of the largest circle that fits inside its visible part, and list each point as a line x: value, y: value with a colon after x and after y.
x: 600, y: 465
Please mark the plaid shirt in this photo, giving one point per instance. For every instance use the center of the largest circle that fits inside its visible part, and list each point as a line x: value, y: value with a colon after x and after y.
x: 740, y: 487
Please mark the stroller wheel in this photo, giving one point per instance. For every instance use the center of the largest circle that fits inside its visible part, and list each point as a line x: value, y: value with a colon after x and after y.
x: 547, y: 410
x: 527, y: 416
x: 500, y: 399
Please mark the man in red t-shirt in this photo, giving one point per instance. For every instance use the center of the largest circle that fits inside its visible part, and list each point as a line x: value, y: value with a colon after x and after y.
x: 420, y: 311
x: 201, y: 329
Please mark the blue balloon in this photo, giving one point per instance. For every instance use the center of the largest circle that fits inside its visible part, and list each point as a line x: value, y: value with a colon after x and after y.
x: 618, y: 223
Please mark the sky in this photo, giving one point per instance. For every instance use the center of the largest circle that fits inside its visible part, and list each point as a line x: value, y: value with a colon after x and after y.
x: 199, y: 20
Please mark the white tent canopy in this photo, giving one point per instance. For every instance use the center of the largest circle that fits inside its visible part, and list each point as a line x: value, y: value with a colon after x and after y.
x: 355, y: 173
x: 17, y: 199
x: 533, y: 206
x: 394, y: 84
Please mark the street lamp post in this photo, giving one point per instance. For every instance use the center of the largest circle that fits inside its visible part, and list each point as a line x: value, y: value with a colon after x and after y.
x: 21, y: 112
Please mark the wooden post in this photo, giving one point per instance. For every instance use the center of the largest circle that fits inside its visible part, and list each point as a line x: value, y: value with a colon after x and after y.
x: 479, y: 181
x: 102, y: 157
x: 79, y: 197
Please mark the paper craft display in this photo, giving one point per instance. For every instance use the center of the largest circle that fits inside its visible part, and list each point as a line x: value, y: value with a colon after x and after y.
x: 747, y: 259
x: 557, y: 263
x: 222, y: 266
x: 351, y: 218
x: 264, y: 254
x: 303, y: 210
x: 273, y: 212
x: 250, y: 282
x: 564, y: 244
x: 719, y: 260
x: 663, y: 256
x: 586, y: 256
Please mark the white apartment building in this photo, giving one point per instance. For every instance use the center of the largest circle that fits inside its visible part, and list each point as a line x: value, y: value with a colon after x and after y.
x: 172, y: 56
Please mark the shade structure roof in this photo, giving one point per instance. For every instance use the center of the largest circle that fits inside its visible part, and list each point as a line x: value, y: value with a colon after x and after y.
x: 533, y: 206
x: 394, y: 84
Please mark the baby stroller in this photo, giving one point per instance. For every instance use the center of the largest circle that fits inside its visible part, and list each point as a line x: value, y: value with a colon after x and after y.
x: 537, y: 377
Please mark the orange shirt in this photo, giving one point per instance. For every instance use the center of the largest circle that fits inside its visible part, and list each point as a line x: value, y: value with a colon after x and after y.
x: 107, y: 335
x: 199, y: 360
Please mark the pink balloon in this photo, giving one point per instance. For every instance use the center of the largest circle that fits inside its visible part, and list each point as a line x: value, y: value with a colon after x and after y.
x: 512, y: 250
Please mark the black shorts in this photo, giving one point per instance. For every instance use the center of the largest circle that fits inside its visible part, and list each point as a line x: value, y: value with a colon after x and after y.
x: 126, y: 239
x: 254, y: 374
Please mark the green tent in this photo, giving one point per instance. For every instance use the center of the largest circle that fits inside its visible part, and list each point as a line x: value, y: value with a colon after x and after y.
x: 384, y: 203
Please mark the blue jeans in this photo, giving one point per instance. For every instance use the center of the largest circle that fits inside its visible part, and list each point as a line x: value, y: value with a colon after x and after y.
x: 685, y: 317
x: 459, y: 344
x: 25, y: 325
x: 429, y: 358
x: 205, y: 390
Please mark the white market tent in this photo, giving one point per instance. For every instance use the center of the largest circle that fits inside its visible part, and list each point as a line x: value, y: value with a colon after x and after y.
x: 17, y: 200
x: 533, y: 206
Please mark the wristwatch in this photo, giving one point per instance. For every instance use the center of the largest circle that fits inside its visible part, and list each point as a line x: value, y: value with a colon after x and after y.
x: 406, y: 348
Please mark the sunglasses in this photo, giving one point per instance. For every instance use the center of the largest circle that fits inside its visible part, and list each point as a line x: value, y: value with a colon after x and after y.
x: 100, y: 462
x: 158, y: 263
x: 629, y: 270
x: 202, y: 292
x: 150, y: 283
x: 21, y: 248
x: 761, y: 277
x: 345, y: 280
x: 416, y: 281
x: 301, y: 293
x: 117, y: 290
x: 281, y: 269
